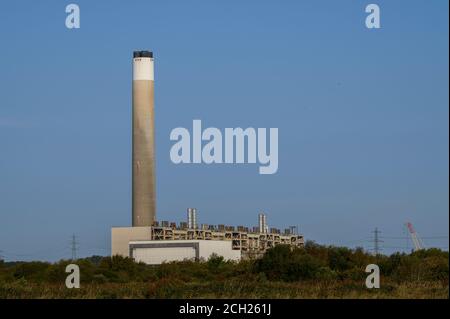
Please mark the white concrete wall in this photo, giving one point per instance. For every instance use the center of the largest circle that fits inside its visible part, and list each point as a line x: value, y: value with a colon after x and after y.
x: 220, y: 247
x: 121, y: 237
x: 175, y: 252
x: 156, y: 256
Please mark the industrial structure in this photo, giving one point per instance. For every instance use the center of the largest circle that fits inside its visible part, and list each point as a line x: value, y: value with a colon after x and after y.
x: 154, y: 242
x: 417, y: 241
x: 143, y: 171
x: 167, y: 241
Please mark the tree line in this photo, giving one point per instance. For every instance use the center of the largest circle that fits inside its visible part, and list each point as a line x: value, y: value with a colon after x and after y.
x: 281, y: 263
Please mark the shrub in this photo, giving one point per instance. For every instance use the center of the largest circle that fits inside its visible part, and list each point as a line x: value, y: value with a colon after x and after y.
x: 288, y: 264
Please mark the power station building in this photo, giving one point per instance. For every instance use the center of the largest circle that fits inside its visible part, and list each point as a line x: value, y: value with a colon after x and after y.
x: 154, y: 242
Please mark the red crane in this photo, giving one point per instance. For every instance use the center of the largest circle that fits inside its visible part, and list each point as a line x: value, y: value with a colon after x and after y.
x: 418, y: 244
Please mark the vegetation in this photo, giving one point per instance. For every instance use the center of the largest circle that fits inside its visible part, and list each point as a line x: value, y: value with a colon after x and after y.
x: 313, y: 272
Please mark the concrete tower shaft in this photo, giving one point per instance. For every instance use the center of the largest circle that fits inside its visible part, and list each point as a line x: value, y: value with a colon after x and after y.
x: 143, y: 171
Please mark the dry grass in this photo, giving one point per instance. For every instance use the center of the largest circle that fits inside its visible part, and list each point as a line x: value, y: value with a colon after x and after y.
x: 228, y: 289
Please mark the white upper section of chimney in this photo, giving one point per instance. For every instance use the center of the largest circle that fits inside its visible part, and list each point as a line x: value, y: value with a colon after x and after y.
x: 143, y: 69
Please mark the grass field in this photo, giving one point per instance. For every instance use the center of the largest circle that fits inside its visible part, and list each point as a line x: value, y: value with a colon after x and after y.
x: 227, y: 289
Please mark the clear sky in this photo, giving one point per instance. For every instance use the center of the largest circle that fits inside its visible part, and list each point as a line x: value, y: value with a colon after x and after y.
x: 362, y: 117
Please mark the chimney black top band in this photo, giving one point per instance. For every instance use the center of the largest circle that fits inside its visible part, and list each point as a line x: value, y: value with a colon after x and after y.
x: 142, y: 54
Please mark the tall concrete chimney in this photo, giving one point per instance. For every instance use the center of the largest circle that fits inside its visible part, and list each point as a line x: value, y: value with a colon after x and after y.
x: 143, y: 171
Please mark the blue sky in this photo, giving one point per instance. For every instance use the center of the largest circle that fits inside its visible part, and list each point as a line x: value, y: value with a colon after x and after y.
x: 362, y: 117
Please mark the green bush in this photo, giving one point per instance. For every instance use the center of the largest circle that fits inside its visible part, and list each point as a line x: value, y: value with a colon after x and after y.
x: 287, y: 263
